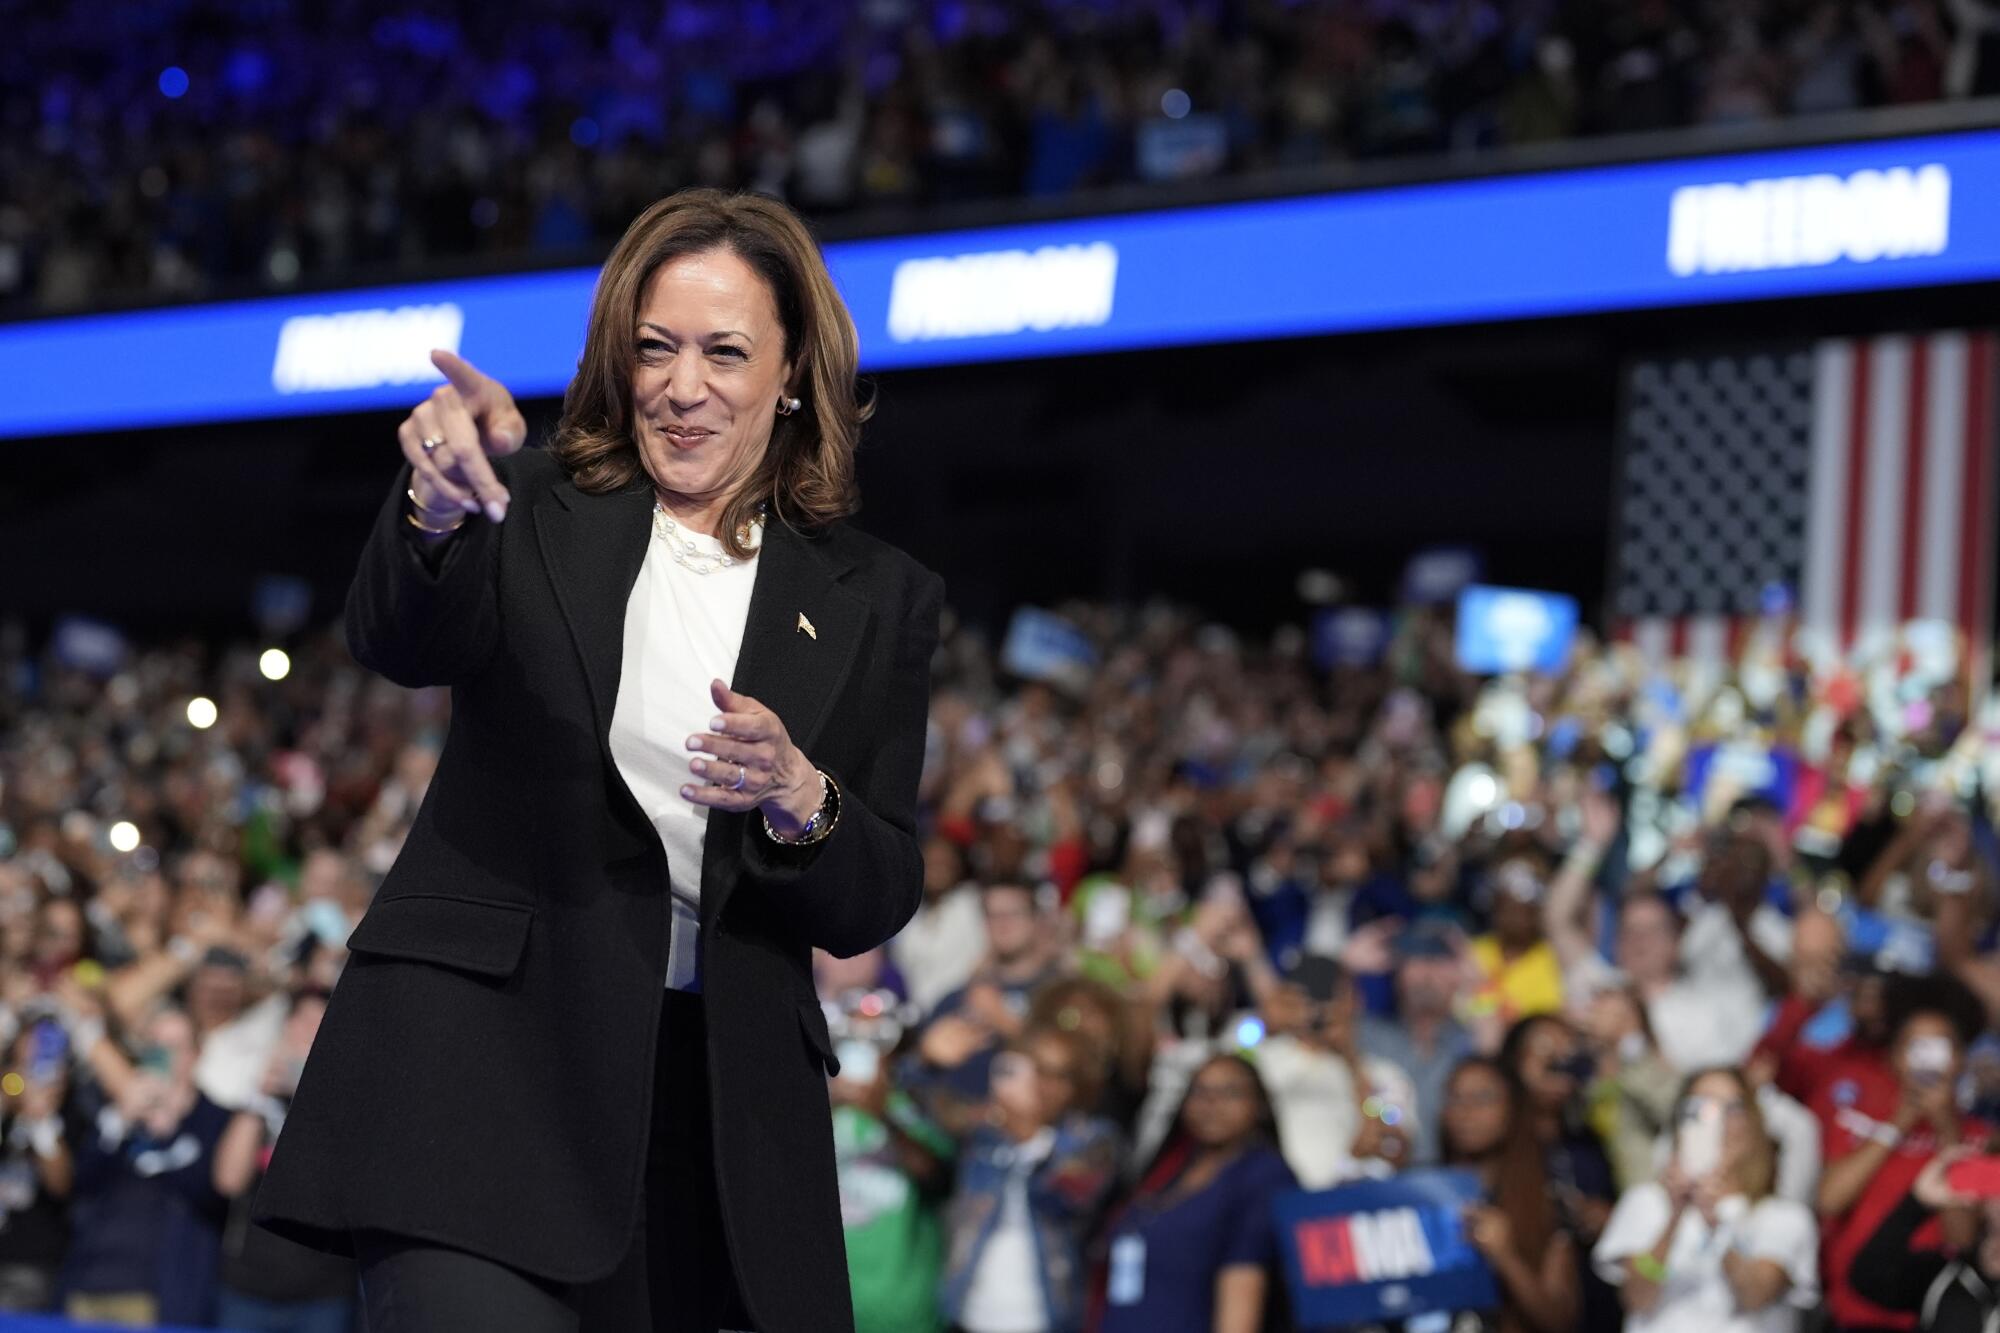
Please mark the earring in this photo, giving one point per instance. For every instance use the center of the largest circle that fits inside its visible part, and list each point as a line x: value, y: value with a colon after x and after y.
x: 787, y: 406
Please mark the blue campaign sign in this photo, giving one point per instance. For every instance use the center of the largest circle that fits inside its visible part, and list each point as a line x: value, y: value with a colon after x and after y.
x: 1349, y: 636
x: 1382, y: 1250
x: 1514, y: 629
x: 1874, y: 215
x: 1041, y: 645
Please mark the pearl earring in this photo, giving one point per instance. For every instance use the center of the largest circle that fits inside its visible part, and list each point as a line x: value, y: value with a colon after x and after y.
x: 787, y: 406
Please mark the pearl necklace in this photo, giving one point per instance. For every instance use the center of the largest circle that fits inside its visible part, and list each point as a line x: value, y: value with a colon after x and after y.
x: 686, y: 553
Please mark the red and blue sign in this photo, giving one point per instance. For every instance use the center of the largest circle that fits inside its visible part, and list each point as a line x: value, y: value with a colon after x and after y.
x: 1382, y: 1250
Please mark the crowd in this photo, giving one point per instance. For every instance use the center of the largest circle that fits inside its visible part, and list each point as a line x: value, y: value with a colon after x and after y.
x: 1689, y: 964
x: 210, y: 145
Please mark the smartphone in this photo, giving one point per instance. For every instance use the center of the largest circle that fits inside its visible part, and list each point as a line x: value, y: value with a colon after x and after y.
x: 1976, y: 1176
x: 1698, y: 1143
x: 50, y: 1051
x: 858, y: 1059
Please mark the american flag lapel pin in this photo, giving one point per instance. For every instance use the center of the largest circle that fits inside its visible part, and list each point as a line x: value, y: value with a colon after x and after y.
x: 807, y: 626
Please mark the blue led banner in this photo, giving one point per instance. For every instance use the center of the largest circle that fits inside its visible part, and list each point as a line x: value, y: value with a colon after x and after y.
x: 1891, y: 213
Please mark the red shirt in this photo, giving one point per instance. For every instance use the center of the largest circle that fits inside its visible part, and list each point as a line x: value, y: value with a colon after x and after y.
x: 1852, y: 1092
x: 1851, y: 1111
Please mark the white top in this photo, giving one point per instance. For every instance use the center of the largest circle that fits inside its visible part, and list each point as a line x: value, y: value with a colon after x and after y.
x: 682, y: 630
x: 1695, y: 1297
x: 1005, y: 1293
x: 1317, y: 1107
x: 942, y: 944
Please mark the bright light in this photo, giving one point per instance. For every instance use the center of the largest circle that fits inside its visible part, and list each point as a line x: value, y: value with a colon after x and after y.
x: 124, y: 835
x: 201, y: 713
x: 276, y: 664
x: 1482, y: 791
x: 1175, y: 103
x: 173, y: 81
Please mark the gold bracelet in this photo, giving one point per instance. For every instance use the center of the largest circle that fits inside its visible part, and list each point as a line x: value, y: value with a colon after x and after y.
x: 435, y: 532
x: 422, y: 508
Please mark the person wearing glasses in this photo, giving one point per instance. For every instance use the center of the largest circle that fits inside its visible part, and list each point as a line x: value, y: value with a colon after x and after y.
x: 1033, y: 1168
x: 1709, y: 1247
x: 1193, y: 1248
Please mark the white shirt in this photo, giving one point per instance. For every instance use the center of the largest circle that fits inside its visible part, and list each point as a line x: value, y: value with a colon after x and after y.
x: 1695, y: 1298
x: 1005, y: 1293
x: 1318, y: 1112
x: 682, y: 630
x: 942, y: 944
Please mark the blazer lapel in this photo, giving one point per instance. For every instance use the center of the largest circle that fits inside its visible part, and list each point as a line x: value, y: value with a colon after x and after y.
x: 594, y: 547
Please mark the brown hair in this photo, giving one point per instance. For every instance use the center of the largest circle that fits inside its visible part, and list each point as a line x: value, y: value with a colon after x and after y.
x: 1086, y: 1070
x: 1517, y: 1178
x: 807, y: 473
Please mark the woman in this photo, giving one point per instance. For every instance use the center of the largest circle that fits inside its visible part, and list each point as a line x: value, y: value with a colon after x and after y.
x: 1194, y: 1249
x: 1486, y: 1127
x: 1631, y: 1098
x: 1953, y: 1290
x: 1543, y: 1053
x: 576, y: 1069
x: 1032, y: 1175
x: 1709, y: 1245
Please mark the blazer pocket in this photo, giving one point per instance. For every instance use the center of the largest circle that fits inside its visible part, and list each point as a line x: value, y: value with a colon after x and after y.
x: 476, y: 934
x: 813, y: 1019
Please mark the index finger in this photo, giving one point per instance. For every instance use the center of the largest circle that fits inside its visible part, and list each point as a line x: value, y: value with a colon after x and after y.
x: 491, y: 406
x: 476, y: 468
x: 470, y: 381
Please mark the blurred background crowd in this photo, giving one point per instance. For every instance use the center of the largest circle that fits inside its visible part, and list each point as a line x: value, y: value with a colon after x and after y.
x: 204, y: 147
x: 1208, y: 923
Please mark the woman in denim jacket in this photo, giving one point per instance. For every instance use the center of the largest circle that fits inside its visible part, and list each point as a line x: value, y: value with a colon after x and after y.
x: 1033, y: 1171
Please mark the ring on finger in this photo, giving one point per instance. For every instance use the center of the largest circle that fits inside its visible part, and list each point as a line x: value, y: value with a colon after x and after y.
x: 432, y: 442
x: 742, y: 773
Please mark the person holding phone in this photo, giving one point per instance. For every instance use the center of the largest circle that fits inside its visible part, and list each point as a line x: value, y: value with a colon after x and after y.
x: 37, y: 1167
x: 1954, y: 1290
x: 1546, y: 1054
x: 1032, y: 1174
x: 147, y: 1240
x: 575, y: 1068
x: 892, y: 1158
x: 1880, y: 1139
x: 1709, y: 1247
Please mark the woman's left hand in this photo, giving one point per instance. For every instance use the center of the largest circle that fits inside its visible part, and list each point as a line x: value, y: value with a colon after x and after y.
x: 747, y: 761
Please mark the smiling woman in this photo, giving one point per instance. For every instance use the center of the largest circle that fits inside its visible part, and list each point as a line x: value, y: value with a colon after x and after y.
x: 730, y: 333
x: 575, y: 1074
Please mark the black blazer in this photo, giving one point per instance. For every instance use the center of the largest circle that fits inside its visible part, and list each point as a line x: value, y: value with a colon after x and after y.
x: 483, y: 1075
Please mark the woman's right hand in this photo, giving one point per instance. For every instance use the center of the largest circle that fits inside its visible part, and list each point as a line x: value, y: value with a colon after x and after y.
x: 474, y: 418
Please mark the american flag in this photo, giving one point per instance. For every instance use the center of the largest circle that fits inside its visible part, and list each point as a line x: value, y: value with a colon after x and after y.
x: 1848, y: 480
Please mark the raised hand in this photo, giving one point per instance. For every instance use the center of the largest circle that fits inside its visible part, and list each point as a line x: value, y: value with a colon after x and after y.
x: 468, y: 420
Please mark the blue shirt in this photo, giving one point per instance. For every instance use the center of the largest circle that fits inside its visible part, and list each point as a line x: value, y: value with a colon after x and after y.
x: 1188, y: 1244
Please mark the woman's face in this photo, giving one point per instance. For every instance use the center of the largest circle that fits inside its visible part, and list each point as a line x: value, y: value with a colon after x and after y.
x: 59, y: 933
x: 1055, y: 1078
x: 1723, y: 1091
x: 1547, y: 1046
x: 711, y: 369
x: 1648, y: 947
x: 1221, y: 1104
x: 1475, y: 1110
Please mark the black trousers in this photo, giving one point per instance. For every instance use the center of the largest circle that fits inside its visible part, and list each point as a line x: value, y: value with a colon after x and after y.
x: 678, y: 1277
